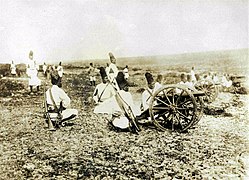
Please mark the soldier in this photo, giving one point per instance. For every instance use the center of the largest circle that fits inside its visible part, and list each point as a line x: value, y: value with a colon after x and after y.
x: 44, y: 68
x: 158, y: 83
x: 146, y: 95
x: 32, y: 73
x: 123, y: 99
x: 102, y: 94
x: 189, y: 81
x: 112, y: 70
x: 60, y: 72
x: 58, y: 99
x: 126, y: 72
x: 92, y: 74
x: 13, y: 69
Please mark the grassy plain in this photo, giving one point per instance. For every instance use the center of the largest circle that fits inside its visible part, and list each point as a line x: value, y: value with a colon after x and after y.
x: 216, y: 148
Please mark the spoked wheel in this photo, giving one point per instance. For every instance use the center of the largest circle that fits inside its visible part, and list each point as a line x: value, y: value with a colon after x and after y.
x: 209, y: 88
x: 173, y: 107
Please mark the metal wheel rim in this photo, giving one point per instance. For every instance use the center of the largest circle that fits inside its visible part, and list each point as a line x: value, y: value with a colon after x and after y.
x: 180, y: 115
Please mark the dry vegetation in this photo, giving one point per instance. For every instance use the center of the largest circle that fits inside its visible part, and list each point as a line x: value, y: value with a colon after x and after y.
x: 87, y: 148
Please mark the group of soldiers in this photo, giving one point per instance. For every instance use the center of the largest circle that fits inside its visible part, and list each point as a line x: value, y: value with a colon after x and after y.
x: 113, y: 93
x: 114, y: 83
x: 110, y: 96
x: 192, y: 79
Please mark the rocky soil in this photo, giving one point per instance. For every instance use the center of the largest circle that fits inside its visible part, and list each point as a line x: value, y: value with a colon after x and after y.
x: 87, y: 148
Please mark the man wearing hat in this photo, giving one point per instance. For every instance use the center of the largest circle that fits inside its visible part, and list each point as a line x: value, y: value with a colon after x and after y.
x: 92, y: 73
x: 33, y: 73
x: 123, y: 99
x: 112, y: 70
x: 102, y: 93
x: 57, y: 99
x: 60, y: 71
x: 146, y: 95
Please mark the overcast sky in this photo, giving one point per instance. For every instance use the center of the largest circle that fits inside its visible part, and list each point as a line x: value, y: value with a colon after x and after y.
x: 78, y: 29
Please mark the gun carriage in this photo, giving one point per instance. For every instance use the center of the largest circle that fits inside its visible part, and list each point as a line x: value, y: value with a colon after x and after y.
x: 172, y: 107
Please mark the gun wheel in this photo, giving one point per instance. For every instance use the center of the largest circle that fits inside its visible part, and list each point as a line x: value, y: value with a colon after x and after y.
x: 173, y: 108
x: 209, y: 88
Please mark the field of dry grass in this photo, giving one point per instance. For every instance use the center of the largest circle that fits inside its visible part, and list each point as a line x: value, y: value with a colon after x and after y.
x: 216, y: 148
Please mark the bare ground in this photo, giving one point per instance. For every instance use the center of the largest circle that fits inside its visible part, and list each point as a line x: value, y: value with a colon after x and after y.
x: 216, y: 148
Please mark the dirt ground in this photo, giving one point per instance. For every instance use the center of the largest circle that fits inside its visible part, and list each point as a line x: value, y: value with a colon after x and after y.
x: 216, y: 148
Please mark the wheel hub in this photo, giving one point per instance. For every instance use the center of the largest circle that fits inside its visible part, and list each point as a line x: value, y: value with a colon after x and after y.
x: 173, y: 108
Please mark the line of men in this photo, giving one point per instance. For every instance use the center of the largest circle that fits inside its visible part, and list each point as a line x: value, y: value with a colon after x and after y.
x: 32, y: 71
x: 192, y: 78
x: 114, y: 84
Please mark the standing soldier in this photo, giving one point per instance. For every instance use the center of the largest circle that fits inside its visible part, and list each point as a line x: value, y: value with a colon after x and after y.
x: 112, y: 71
x: 92, y: 72
x: 126, y: 72
x: 44, y: 68
x: 60, y: 72
x: 33, y: 73
x: 13, y: 69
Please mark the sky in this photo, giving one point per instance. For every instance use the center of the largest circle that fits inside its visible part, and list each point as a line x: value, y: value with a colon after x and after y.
x: 63, y: 30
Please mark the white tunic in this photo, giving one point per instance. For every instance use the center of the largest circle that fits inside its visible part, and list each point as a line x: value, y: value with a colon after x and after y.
x: 13, y: 68
x: 122, y: 121
x: 102, y: 96
x: 192, y: 73
x: 146, y: 96
x: 157, y: 86
x: 33, y: 74
x: 59, y: 96
x: 189, y: 84
x: 126, y: 73
x: 60, y: 70
x: 112, y: 71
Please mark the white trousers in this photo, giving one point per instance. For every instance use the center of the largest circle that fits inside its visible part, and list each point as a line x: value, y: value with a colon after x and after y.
x: 92, y: 78
x: 69, y: 112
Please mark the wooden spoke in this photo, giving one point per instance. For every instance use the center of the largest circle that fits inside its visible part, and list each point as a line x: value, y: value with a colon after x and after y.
x: 160, y: 108
x: 185, y: 101
x: 175, y: 111
x: 177, y: 100
x: 173, y: 97
x: 167, y: 97
x: 183, y: 115
x: 161, y: 101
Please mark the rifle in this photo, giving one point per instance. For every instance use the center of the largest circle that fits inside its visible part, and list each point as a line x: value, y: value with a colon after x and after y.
x: 127, y: 112
x: 46, y: 113
x: 126, y: 109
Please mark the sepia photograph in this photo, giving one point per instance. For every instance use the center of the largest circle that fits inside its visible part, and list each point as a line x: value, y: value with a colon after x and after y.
x: 124, y: 89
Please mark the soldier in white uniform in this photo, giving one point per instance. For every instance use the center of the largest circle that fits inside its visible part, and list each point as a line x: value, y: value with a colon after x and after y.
x: 126, y: 72
x: 119, y: 120
x: 60, y: 72
x: 102, y: 94
x: 13, y: 69
x: 146, y: 95
x: 60, y: 98
x: 44, y: 68
x: 32, y: 73
x: 92, y: 74
x: 112, y: 70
